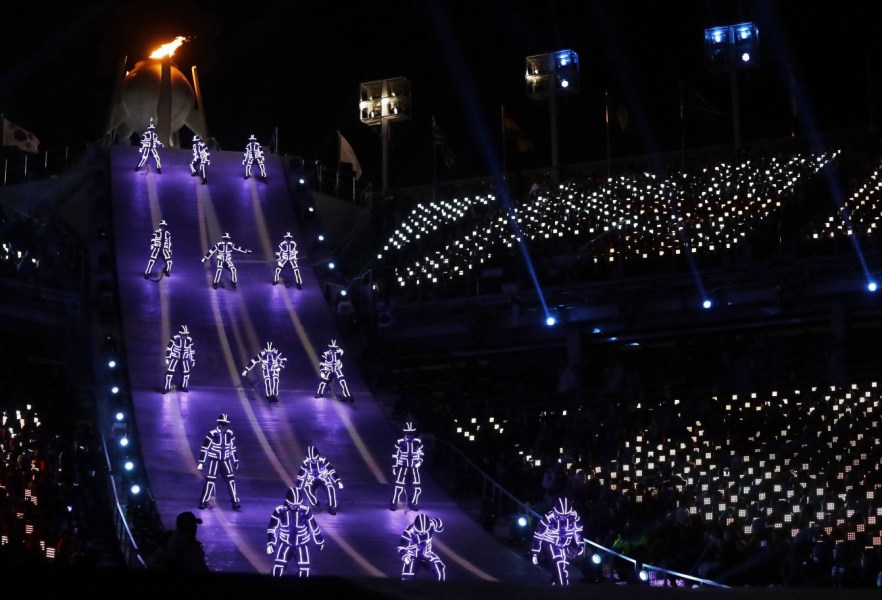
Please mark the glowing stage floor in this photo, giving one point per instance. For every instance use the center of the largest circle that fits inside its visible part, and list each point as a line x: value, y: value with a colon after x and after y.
x: 228, y: 328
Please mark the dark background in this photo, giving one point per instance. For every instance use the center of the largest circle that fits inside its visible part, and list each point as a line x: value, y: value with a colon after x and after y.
x: 297, y: 66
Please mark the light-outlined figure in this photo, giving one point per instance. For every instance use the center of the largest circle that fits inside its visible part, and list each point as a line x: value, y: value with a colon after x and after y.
x: 160, y: 246
x: 292, y: 525
x: 407, y: 460
x: 253, y: 152
x: 559, y: 533
x: 271, y: 363
x: 150, y: 146
x: 317, y: 468
x: 286, y: 256
x: 201, y: 159
x: 179, y: 351
x: 223, y: 254
x: 219, y: 448
x: 331, y: 370
x: 415, y: 548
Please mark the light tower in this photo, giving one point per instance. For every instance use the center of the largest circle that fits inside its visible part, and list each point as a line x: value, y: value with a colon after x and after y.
x: 382, y: 102
x: 549, y: 76
x: 728, y: 49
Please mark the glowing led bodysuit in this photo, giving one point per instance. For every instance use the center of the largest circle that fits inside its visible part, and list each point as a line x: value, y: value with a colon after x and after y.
x: 292, y: 524
x: 271, y: 364
x: 407, y: 460
x: 331, y: 369
x: 180, y: 350
x: 223, y: 253
x: 415, y: 548
x: 317, y: 467
x: 150, y: 145
x: 160, y: 244
x: 253, y: 152
x: 219, y: 448
x: 200, y: 160
x: 286, y: 255
x: 560, y: 530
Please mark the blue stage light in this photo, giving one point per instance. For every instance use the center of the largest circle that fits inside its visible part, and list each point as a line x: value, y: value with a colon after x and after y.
x: 115, y: 389
x: 550, y: 321
x: 111, y: 363
x: 135, y: 489
x: 522, y: 521
x: 596, y: 558
x: 124, y: 441
x: 331, y: 266
x: 707, y: 304
x: 129, y: 465
x: 745, y: 58
x: 872, y: 286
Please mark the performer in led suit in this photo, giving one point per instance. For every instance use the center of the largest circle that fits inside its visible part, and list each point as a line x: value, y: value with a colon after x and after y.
x: 179, y: 350
x: 200, y: 159
x: 253, y: 152
x: 160, y: 243
x: 415, y: 547
x: 317, y: 467
x: 271, y: 364
x: 331, y: 369
x: 408, y: 459
x: 560, y: 530
x: 287, y: 255
x: 150, y: 145
x: 292, y: 524
x: 219, y: 447
x: 223, y: 252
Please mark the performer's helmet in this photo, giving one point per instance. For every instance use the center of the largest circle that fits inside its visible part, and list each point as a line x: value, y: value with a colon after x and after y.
x: 252, y: 138
x: 288, y: 236
x: 563, y: 506
x: 409, y: 428
x: 312, y: 452
x: 269, y: 347
x: 292, y: 497
x: 225, y: 236
x: 195, y: 138
x: 162, y: 223
x: 184, y: 330
x: 223, y: 419
x: 333, y: 344
x: 421, y: 523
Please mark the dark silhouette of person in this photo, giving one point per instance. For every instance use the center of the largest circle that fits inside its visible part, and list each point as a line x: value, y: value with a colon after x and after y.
x: 181, y: 550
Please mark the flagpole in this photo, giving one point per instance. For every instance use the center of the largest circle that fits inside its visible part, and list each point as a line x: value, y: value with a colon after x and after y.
x: 502, y: 131
x: 606, y: 119
x: 682, y: 124
x: 337, y: 181
x: 434, y: 157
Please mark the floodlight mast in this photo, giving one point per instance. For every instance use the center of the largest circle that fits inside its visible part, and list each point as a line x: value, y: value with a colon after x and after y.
x: 549, y: 76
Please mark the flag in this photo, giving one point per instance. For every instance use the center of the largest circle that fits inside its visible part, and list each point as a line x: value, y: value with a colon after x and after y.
x: 693, y: 103
x: 347, y: 155
x: 440, y: 140
x: 13, y: 135
x: 514, y: 134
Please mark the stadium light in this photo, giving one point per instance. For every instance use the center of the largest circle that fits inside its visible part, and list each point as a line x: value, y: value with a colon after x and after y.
x: 548, y: 76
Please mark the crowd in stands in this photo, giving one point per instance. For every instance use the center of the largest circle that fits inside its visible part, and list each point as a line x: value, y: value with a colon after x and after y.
x: 708, y: 213
x: 51, y: 491
x: 773, y: 481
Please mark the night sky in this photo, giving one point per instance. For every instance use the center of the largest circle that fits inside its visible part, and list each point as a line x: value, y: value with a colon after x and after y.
x: 298, y: 65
